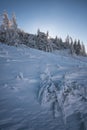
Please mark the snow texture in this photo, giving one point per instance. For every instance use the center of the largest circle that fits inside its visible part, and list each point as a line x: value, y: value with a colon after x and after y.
x: 41, y: 90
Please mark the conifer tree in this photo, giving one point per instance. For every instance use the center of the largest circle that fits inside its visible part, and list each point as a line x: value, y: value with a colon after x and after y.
x: 71, y: 46
x: 14, y: 23
x: 83, y: 50
x: 78, y: 48
x: 67, y: 40
x: 6, y: 21
x: 75, y: 45
x: 38, y: 31
x: 47, y: 34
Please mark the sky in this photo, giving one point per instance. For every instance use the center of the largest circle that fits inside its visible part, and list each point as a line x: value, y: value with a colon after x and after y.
x: 59, y: 17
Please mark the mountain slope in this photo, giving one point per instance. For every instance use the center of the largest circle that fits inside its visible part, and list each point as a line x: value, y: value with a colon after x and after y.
x: 40, y: 90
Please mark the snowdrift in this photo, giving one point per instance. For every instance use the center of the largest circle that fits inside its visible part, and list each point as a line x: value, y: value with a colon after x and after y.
x: 41, y: 90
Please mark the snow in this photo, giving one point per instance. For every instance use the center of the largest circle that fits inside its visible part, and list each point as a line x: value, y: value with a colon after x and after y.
x: 40, y: 90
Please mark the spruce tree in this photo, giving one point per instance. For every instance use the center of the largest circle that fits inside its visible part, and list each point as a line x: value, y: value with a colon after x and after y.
x: 6, y: 21
x: 83, y: 50
x: 71, y: 46
x: 14, y: 23
x: 75, y: 45
x: 78, y: 48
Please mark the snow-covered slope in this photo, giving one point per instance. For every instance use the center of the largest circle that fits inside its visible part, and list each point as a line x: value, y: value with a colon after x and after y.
x: 42, y: 91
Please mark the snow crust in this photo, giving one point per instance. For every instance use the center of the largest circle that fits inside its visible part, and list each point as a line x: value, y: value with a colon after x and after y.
x: 40, y: 90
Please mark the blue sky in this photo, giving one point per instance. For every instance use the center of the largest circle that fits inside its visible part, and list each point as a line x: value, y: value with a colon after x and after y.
x: 59, y: 17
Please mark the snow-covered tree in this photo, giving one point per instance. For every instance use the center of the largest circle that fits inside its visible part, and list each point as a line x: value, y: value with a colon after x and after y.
x: 71, y: 46
x: 83, y: 50
x: 6, y: 21
x: 58, y: 42
x: 75, y: 45
x: 78, y: 48
x: 1, y: 19
x: 11, y: 34
x: 14, y: 23
x: 47, y: 34
x: 67, y: 40
x: 38, y: 31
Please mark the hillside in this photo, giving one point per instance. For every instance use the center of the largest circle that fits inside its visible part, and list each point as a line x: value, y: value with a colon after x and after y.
x: 41, y: 90
x: 11, y: 34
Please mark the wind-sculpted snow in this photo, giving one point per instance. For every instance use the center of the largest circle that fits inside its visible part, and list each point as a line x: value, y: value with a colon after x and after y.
x: 48, y: 95
x: 42, y: 90
x: 64, y: 98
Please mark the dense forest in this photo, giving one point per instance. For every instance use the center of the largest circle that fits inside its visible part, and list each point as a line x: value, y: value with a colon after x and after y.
x: 12, y: 35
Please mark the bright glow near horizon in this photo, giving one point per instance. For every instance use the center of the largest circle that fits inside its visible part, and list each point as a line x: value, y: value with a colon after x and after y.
x: 59, y: 17
x: 43, y: 28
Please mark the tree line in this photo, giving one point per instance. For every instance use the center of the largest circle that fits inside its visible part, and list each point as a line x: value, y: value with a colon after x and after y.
x: 12, y: 35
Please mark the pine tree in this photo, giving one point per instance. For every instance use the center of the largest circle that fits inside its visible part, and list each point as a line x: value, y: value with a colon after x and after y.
x: 75, y: 45
x: 78, y: 48
x: 56, y: 38
x: 0, y: 19
x: 14, y: 23
x: 57, y: 41
x: 47, y: 34
x: 6, y: 21
x: 38, y: 31
x: 71, y: 46
x: 83, y: 50
x: 67, y: 40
